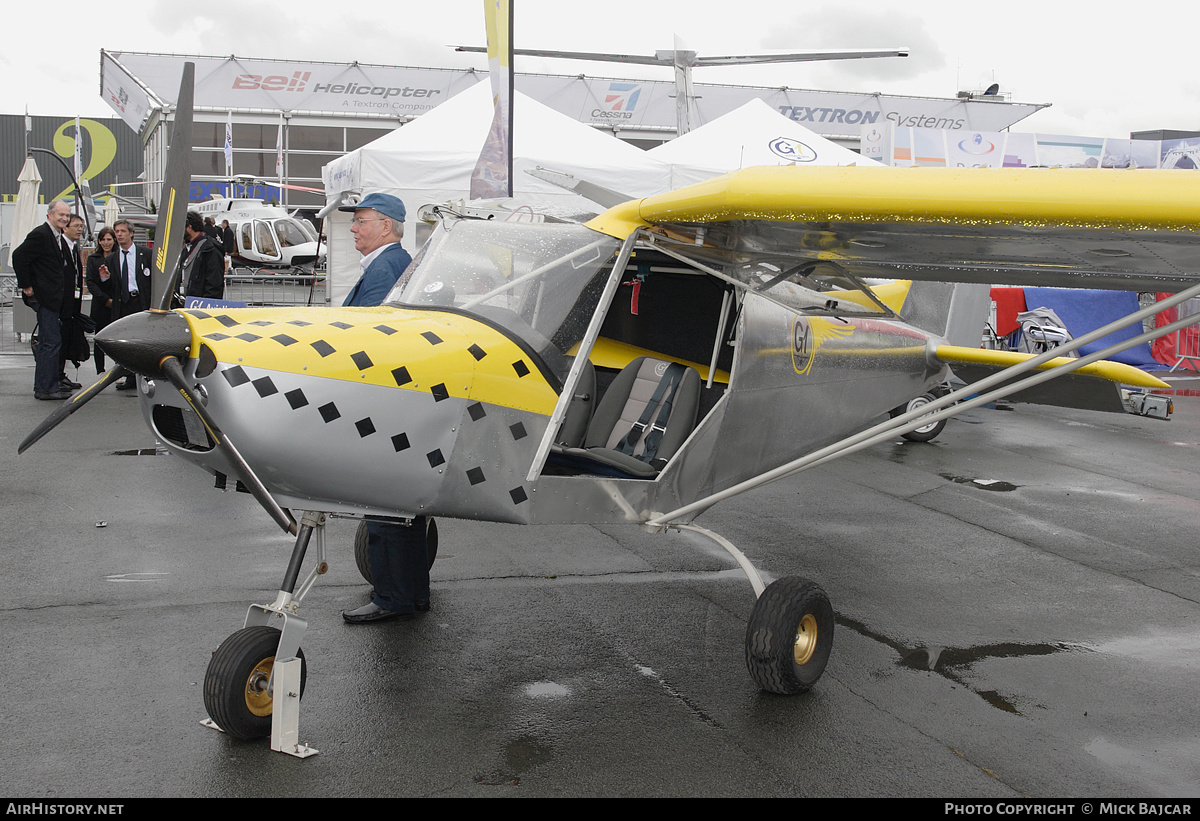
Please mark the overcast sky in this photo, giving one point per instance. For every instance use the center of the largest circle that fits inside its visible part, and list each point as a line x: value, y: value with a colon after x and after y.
x: 1106, y: 73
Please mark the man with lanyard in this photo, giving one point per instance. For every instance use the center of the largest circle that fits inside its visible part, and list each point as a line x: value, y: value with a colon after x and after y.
x: 396, y: 549
x: 131, y: 286
x: 44, y: 274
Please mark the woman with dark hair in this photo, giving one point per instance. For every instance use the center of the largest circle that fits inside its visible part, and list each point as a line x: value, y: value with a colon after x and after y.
x: 101, y: 288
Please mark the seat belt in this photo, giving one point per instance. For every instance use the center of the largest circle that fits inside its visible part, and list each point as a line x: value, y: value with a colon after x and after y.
x: 670, y: 380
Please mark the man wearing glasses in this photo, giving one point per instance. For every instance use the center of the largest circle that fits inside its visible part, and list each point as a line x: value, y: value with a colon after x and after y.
x: 377, y: 228
x: 396, y: 549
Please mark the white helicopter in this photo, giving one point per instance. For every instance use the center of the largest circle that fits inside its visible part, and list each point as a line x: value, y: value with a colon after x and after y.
x: 265, y: 235
x: 637, y: 368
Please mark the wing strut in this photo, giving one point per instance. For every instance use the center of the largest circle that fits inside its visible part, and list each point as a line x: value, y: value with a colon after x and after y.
x: 922, y: 416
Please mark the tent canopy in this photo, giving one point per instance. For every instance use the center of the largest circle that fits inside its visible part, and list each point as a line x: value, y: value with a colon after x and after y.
x: 754, y: 134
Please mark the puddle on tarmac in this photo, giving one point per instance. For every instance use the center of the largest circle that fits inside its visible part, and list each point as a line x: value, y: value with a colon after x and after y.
x: 953, y: 662
x: 982, y: 484
x: 546, y: 689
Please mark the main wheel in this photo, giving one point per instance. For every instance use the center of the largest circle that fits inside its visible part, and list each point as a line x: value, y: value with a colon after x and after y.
x: 926, y: 432
x: 789, y: 636
x: 362, y: 559
x: 235, y: 684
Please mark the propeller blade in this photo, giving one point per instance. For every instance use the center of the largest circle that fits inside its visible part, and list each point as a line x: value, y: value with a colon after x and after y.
x: 171, y: 368
x: 173, y: 201
x: 69, y: 406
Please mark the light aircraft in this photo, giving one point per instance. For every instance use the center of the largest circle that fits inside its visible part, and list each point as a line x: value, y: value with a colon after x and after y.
x: 636, y: 368
x: 266, y: 235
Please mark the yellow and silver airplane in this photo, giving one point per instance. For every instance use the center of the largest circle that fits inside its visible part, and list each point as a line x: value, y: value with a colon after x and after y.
x: 642, y: 366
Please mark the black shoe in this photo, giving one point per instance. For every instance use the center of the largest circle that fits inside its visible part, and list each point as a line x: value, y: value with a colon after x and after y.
x: 56, y: 395
x: 68, y: 384
x: 126, y: 385
x: 422, y: 605
x: 371, y: 612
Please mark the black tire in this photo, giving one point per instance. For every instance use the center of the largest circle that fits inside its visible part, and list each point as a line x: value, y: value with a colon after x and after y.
x: 922, y: 434
x: 789, y: 636
x: 360, y: 546
x: 235, y: 692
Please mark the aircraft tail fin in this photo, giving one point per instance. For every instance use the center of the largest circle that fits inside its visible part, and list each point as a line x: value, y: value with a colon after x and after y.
x: 955, y: 311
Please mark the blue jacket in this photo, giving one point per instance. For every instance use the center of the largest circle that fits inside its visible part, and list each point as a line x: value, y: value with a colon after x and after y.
x: 373, y: 286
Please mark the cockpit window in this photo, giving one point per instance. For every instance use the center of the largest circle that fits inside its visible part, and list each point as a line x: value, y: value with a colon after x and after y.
x: 290, y: 233
x: 539, y: 281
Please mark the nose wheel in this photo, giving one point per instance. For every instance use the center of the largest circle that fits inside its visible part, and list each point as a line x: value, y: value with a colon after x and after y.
x: 237, y: 685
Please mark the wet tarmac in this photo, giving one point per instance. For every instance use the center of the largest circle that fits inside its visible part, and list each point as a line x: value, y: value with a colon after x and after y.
x: 1018, y: 614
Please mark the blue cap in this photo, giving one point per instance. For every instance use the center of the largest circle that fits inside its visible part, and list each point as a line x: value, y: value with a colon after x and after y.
x: 387, y: 204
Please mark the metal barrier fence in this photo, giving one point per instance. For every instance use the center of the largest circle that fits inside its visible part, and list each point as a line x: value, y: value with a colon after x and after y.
x: 1187, y: 340
x: 257, y: 288
x: 273, y: 288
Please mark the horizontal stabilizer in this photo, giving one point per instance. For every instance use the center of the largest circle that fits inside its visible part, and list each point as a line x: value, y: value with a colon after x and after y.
x: 1092, y: 387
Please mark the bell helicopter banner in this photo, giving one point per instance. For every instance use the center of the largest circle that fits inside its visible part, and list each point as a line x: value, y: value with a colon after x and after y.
x: 143, y: 81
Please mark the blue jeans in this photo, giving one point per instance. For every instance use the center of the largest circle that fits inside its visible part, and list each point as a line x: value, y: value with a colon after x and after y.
x: 48, y: 361
x: 399, y: 563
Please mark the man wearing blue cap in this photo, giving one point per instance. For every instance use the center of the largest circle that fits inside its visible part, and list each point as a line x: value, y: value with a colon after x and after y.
x: 396, y: 550
x: 378, y: 227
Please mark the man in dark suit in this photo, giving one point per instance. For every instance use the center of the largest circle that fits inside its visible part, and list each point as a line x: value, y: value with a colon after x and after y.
x: 44, y: 273
x: 129, y: 267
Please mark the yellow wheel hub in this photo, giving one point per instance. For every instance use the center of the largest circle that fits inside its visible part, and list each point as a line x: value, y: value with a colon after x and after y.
x: 806, y: 639
x: 258, y: 695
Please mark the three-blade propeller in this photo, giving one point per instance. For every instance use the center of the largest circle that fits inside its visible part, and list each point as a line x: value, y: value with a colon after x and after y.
x: 155, y: 343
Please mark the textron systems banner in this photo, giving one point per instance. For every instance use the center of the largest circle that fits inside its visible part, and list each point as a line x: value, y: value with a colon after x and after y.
x: 388, y: 91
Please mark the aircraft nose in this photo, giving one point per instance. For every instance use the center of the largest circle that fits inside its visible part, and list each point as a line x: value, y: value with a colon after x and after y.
x: 141, y: 341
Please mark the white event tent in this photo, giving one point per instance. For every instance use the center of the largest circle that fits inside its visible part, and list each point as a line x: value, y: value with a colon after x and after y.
x: 430, y: 160
x: 754, y: 134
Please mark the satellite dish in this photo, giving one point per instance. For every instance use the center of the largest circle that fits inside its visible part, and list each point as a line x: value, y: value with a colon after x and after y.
x: 992, y: 90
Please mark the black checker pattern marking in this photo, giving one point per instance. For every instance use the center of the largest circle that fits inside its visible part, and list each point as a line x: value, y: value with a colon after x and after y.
x: 521, y: 368
x: 518, y: 495
x: 296, y: 399
x: 265, y: 387
x: 201, y: 314
x: 227, y: 321
x: 435, y: 458
x: 439, y: 392
x: 262, y: 323
x: 477, y: 352
x: 476, y: 411
x: 361, y: 360
x: 365, y: 427
x: 475, y: 476
x: 401, y: 376
x: 518, y: 431
x: 400, y: 442
x: 217, y: 337
x: 329, y: 412
x: 432, y: 338
x: 284, y: 340
x: 341, y: 325
x: 384, y: 329
x: 248, y: 337
x: 235, y: 376
x: 323, y: 348
x: 299, y: 323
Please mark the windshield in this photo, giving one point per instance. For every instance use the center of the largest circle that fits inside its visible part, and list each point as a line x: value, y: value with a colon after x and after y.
x: 290, y: 233
x: 541, y: 282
